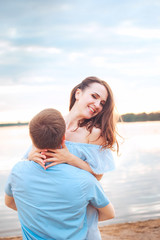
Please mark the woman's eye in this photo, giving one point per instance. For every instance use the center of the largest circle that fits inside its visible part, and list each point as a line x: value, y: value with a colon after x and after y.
x: 102, y: 104
x: 94, y: 96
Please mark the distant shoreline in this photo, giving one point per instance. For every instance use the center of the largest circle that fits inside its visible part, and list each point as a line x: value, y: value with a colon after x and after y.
x: 140, y: 117
x: 13, y: 124
x: 128, y: 117
x: 25, y: 124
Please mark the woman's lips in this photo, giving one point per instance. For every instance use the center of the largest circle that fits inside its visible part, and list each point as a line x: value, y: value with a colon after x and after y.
x: 91, y: 109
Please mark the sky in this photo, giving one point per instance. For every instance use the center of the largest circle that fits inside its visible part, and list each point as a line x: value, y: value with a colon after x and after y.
x: 48, y: 47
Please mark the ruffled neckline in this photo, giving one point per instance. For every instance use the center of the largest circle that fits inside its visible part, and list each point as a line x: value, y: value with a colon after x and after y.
x: 82, y: 144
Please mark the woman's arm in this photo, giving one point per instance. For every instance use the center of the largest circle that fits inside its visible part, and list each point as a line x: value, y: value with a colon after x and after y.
x: 64, y: 156
x: 106, y: 213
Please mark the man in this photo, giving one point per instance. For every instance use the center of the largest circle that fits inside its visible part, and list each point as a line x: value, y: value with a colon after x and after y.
x: 52, y: 203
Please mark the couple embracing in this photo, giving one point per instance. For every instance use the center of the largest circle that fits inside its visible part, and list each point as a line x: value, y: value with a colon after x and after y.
x: 57, y: 194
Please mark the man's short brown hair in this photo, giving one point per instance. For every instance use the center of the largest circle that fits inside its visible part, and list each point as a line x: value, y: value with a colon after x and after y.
x: 47, y: 129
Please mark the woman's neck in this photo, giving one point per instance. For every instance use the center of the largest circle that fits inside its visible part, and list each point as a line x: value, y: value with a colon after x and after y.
x: 72, y: 119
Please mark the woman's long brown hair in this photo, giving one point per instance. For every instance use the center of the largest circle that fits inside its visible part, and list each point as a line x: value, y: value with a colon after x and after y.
x: 105, y: 120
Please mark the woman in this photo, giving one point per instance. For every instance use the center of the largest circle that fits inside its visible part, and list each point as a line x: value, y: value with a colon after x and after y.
x: 90, y: 137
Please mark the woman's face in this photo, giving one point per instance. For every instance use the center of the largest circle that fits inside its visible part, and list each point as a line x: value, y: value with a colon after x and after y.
x: 91, y: 100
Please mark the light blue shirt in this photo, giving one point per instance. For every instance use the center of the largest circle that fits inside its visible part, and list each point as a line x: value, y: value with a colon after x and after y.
x: 100, y: 161
x: 52, y: 203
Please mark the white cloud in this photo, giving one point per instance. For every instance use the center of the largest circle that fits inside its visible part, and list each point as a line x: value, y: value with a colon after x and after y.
x: 6, y: 80
x: 12, y: 32
x: 6, y: 46
x: 99, y: 61
x: 40, y: 49
x: 75, y: 55
x: 129, y: 67
x: 128, y: 29
x: 98, y: 32
x: 116, y: 51
x: 32, y: 79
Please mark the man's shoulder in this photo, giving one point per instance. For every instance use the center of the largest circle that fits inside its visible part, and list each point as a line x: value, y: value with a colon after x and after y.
x: 78, y: 173
x: 19, y: 165
x: 87, y: 177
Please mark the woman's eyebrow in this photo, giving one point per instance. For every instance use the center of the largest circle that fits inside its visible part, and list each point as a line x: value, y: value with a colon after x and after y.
x: 99, y: 96
x: 96, y: 94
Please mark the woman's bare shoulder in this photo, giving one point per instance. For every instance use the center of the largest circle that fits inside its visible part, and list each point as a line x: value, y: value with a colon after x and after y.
x: 95, y: 136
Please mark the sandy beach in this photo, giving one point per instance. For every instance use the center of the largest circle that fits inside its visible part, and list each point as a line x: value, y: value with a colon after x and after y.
x: 146, y: 230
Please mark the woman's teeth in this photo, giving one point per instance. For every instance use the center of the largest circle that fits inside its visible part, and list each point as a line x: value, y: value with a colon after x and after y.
x: 92, y: 110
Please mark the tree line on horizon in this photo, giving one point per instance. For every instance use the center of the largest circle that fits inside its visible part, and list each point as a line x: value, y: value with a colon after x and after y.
x: 141, y: 117
x: 128, y: 117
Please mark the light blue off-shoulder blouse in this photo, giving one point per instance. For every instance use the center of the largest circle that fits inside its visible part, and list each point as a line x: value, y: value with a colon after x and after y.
x: 100, y: 160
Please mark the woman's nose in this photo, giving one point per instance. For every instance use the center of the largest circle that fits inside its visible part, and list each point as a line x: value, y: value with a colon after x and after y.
x: 97, y: 104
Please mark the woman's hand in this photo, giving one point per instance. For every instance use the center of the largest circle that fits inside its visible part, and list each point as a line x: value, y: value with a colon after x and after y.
x: 37, y: 156
x: 57, y: 156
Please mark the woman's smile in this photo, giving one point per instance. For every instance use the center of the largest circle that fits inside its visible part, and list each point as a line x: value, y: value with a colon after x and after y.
x: 92, y: 110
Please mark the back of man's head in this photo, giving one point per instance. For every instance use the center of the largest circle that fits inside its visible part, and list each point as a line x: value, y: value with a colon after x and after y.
x: 47, y: 129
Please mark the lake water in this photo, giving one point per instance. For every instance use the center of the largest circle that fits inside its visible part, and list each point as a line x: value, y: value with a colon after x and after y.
x: 133, y: 188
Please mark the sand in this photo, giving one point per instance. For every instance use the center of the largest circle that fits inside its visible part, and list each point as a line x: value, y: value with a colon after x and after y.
x: 146, y: 230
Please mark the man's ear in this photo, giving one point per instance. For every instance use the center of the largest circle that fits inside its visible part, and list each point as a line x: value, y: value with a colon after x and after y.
x: 77, y: 93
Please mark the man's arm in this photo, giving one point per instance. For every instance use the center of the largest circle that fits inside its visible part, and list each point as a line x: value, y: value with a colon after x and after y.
x: 99, y: 200
x: 106, y: 213
x: 9, y: 201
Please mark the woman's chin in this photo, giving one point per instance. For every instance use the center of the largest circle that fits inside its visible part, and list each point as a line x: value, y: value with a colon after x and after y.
x: 90, y: 115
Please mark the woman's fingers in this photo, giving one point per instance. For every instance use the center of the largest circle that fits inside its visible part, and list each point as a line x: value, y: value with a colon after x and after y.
x: 39, y: 160
x: 52, y: 161
x: 48, y: 160
x: 48, y: 154
x: 34, y: 155
x: 43, y: 156
x: 37, y: 156
x: 40, y: 155
x: 40, y: 163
